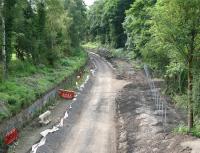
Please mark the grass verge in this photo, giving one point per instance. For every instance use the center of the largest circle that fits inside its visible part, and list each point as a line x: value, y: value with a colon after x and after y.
x: 92, y: 45
x: 183, y: 129
x: 26, y: 82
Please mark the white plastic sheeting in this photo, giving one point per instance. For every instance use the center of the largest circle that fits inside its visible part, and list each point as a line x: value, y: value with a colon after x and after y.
x: 58, y: 126
x: 44, y: 134
x: 83, y: 85
x: 110, y: 65
x: 36, y: 146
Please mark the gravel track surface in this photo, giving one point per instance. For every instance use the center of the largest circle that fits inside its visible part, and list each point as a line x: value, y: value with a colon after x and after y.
x: 91, y: 125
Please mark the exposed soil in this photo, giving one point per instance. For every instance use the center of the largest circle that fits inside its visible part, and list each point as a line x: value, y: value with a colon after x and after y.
x: 140, y: 127
x: 90, y: 127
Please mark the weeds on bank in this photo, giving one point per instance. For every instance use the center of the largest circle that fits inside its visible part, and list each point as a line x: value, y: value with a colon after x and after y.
x: 183, y: 129
x: 91, y: 45
x: 27, y: 82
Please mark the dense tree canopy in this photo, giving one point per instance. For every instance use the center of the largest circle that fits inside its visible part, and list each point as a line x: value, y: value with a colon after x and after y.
x: 105, y: 21
x: 165, y: 33
x: 137, y: 25
x: 77, y: 12
x: 176, y: 29
x: 40, y: 31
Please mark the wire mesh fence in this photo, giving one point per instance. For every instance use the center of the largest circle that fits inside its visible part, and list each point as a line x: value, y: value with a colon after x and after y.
x: 159, y: 101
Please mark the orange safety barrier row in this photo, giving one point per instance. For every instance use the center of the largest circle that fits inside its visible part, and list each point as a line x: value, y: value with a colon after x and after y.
x: 66, y: 94
x: 11, y: 136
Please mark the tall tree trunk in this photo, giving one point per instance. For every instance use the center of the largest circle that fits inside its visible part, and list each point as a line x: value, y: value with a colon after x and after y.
x: 190, y: 79
x: 190, y: 102
x: 3, y: 43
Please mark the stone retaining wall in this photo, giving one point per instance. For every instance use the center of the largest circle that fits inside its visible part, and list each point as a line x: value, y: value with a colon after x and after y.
x: 27, y: 114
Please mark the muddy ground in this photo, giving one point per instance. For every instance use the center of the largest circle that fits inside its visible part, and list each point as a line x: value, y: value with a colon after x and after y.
x: 140, y: 127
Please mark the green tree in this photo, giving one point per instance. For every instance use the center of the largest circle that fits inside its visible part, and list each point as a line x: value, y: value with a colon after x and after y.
x: 58, y: 24
x: 41, y: 32
x: 7, y: 27
x: 77, y: 12
x: 175, y: 30
x: 106, y: 18
x: 113, y: 17
x: 137, y: 25
x: 3, y: 42
x: 94, y: 16
x: 25, y: 37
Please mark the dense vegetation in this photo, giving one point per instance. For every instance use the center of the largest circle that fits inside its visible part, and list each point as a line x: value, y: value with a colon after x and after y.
x: 163, y: 33
x: 105, y: 18
x: 41, y: 40
x: 40, y: 46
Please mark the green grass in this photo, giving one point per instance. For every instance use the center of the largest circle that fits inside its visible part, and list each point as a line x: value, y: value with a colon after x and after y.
x: 183, y: 129
x: 181, y: 101
x: 27, y: 82
x: 14, y: 57
x: 92, y: 45
x: 118, y: 53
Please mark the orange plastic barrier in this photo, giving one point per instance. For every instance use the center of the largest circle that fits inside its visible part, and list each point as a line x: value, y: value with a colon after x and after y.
x: 66, y: 94
x: 11, y: 136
